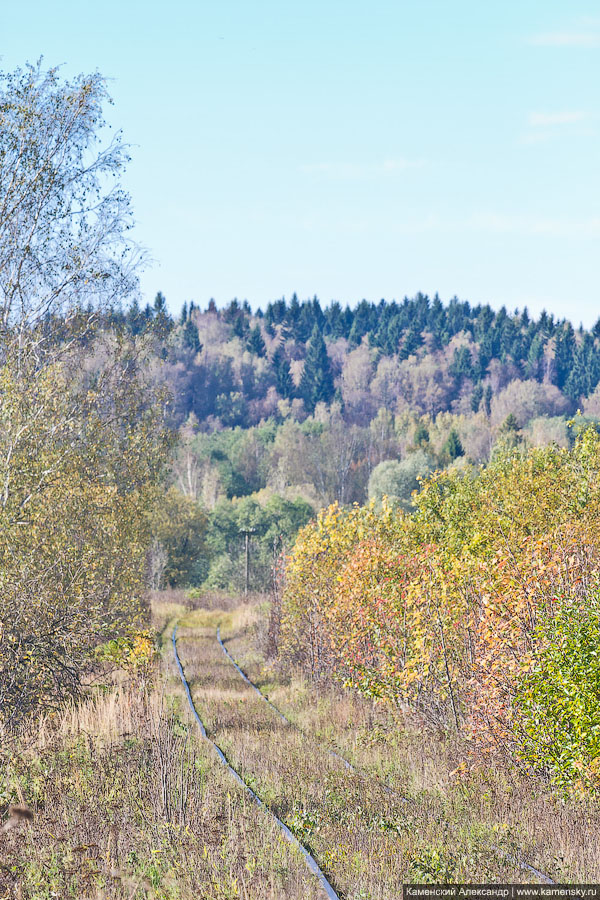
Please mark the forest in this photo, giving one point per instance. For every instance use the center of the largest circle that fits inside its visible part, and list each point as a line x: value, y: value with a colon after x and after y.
x: 283, y: 411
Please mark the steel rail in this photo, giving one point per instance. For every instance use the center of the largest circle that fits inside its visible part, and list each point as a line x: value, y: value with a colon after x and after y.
x: 310, y: 861
x: 514, y: 859
x: 284, y: 718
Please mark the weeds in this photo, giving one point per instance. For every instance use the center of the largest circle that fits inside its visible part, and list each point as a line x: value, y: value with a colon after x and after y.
x: 483, y: 816
x: 117, y: 797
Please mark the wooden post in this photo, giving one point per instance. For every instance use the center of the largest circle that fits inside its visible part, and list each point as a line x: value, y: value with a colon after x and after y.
x: 247, y: 579
x: 247, y: 532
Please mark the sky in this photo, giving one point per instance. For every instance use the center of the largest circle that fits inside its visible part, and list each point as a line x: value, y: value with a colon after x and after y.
x: 348, y: 149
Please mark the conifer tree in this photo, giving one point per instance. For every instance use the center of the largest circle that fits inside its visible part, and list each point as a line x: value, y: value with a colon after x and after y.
x: 160, y: 304
x: 476, y: 397
x: 190, y: 337
x: 160, y: 314
x: 487, y: 400
x: 421, y: 436
x: 240, y: 326
x: 317, y: 378
x: 361, y: 322
x: 509, y: 436
x: 283, y: 377
x: 412, y: 342
x: 462, y: 364
x: 305, y: 323
x: 134, y: 318
x: 585, y: 372
x: 255, y: 342
x: 453, y: 447
x: 564, y: 354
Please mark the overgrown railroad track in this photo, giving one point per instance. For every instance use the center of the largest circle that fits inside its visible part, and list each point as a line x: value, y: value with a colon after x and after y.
x: 517, y: 859
x: 311, y: 863
x: 358, y: 829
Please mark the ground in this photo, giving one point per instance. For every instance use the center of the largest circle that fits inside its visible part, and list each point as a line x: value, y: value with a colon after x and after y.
x: 130, y: 801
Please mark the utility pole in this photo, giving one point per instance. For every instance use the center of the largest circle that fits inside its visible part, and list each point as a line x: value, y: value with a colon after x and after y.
x: 247, y: 532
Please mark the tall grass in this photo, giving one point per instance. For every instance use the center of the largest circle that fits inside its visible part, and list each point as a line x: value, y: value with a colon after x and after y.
x: 126, y: 803
x: 117, y: 797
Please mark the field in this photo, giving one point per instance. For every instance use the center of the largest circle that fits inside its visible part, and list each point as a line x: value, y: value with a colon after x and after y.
x: 129, y: 801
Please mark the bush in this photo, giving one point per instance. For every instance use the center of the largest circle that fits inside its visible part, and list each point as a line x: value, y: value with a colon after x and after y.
x: 558, y: 702
x: 454, y: 609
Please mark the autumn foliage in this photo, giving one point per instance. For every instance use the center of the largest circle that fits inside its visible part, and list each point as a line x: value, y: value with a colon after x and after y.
x: 466, y: 610
x: 81, y: 465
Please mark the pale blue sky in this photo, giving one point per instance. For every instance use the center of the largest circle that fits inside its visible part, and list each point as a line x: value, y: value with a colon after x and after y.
x: 349, y: 149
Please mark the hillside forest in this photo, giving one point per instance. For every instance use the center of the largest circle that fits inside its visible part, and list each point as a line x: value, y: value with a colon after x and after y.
x: 427, y: 477
x: 283, y: 411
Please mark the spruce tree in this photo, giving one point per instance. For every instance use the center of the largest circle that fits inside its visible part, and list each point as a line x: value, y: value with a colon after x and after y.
x: 240, y: 326
x: 333, y: 318
x: 476, y: 397
x: 304, y: 324
x: 421, y: 436
x: 191, y: 339
x: 317, y: 378
x: 412, y: 341
x: 283, y: 377
x: 293, y: 314
x: 160, y: 304
x: 134, y: 318
x: 162, y: 320
x: 584, y: 374
x: 535, y: 358
x: 462, y: 364
x: 453, y: 448
x: 255, y: 342
x: 509, y: 438
x: 361, y: 322
x: 487, y: 400
x: 564, y: 354
x: 510, y: 427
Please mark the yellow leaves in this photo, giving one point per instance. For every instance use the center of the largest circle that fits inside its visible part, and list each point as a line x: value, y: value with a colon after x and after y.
x: 445, y: 602
x: 74, y: 527
x: 136, y: 651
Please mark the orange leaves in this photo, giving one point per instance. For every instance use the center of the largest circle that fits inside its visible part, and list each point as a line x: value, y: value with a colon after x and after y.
x: 442, y: 608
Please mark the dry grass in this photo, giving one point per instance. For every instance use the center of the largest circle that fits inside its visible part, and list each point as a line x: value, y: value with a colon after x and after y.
x: 368, y: 841
x: 128, y: 802
x: 459, y: 822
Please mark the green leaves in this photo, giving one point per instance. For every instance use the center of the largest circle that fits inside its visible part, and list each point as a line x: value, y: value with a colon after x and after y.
x: 481, y: 609
x: 79, y: 471
x: 557, y: 705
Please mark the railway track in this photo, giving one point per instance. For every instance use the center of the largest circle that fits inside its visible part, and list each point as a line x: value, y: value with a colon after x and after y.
x: 310, y: 861
x: 278, y: 712
x: 515, y: 860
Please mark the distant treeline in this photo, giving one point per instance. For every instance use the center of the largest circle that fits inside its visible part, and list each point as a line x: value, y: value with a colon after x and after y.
x: 285, y: 410
x: 299, y: 349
